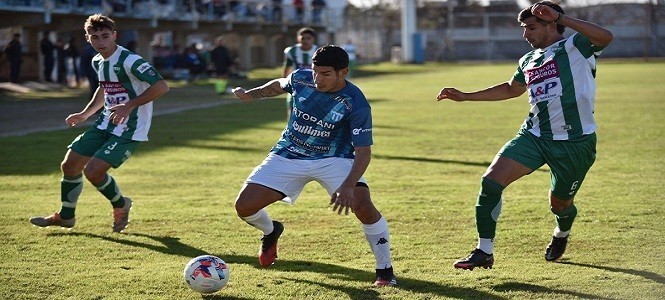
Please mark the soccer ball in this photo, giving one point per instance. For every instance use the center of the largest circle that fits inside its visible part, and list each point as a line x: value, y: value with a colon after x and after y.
x: 206, y: 274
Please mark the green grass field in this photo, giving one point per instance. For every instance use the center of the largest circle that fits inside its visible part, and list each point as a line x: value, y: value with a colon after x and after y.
x: 428, y: 157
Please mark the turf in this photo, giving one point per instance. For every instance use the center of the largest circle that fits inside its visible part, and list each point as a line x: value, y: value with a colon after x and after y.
x: 428, y: 157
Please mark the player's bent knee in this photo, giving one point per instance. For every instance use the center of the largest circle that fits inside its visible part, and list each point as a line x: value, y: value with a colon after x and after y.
x: 242, y: 208
x: 557, y: 204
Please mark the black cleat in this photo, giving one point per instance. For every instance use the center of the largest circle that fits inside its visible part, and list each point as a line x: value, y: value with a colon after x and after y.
x: 385, y: 277
x: 556, y: 248
x: 478, y: 258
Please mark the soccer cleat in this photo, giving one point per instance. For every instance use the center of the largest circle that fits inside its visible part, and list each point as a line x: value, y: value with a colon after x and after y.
x: 268, y: 251
x: 121, y: 216
x: 53, y: 220
x: 556, y: 248
x: 385, y: 277
x: 478, y: 258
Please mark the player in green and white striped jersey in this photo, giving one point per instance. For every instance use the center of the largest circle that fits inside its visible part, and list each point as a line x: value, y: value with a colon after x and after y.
x: 559, y: 76
x: 127, y: 86
x: 299, y: 56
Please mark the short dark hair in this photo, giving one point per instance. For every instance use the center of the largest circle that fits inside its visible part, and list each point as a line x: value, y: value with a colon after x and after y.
x: 306, y: 30
x: 98, y: 22
x: 331, y: 56
x: 526, y: 13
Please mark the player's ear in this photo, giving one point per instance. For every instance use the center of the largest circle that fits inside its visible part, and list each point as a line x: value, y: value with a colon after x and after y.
x: 344, y: 72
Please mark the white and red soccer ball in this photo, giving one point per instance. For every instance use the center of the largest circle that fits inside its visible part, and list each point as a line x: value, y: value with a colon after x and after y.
x: 206, y: 274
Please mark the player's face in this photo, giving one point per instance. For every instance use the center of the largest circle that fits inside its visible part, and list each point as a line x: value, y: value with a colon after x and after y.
x: 306, y: 41
x: 327, y: 80
x: 536, y: 33
x: 103, y: 41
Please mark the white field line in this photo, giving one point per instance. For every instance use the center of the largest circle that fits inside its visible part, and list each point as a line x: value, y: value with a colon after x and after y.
x: 88, y: 123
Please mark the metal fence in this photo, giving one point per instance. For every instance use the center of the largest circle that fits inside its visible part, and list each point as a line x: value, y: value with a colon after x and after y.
x: 639, y: 31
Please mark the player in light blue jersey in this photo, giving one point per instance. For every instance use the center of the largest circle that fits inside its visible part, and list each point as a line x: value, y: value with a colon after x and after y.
x: 128, y: 85
x: 559, y: 75
x: 328, y: 139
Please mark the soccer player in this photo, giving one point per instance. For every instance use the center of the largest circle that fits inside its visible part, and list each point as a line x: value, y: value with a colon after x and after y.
x: 299, y: 56
x: 128, y: 85
x: 328, y: 139
x: 559, y: 75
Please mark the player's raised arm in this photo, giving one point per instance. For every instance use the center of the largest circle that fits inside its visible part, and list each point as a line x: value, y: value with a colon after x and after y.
x: 271, y: 89
x: 598, y: 35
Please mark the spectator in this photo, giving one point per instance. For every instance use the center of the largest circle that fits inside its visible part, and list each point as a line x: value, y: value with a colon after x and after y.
x: 61, y: 66
x: 87, y: 70
x: 14, y: 50
x: 299, y: 6
x: 72, y: 51
x: 351, y: 50
x: 131, y: 46
x: 47, y: 48
x: 263, y: 12
x: 277, y: 10
x: 219, y: 8
x: 317, y: 10
x: 222, y: 61
x: 193, y: 61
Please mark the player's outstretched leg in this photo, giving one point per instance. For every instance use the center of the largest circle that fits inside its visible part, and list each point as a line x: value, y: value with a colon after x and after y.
x: 53, y: 220
x: 70, y: 190
x: 268, y: 251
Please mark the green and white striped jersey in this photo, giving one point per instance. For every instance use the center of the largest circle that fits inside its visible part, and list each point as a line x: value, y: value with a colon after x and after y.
x: 561, y: 84
x: 297, y: 58
x: 124, y: 76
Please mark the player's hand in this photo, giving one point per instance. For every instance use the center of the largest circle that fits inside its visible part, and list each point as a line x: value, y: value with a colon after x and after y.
x: 544, y: 12
x: 342, y: 200
x: 119, y: 113
x: 74, y: 119
x: 241, y: 94
x: 450, y: 93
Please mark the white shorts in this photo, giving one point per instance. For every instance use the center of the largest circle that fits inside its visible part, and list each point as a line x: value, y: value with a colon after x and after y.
x: 290, y: 176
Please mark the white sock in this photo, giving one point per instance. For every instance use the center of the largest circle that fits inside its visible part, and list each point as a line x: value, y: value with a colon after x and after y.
x: 260, y: 220
x: 560, y: 234
x: 378, y: 237
x: 487, y: 245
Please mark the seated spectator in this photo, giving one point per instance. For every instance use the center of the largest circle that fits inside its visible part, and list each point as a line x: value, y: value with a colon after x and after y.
x: 277, y: 10
x: 317, y: 10
x: 299, y: 6
x: 193, y: 62
x: 263, y: 12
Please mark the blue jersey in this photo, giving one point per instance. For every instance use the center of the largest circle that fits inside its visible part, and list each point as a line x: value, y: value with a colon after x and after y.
x: 324, y: 124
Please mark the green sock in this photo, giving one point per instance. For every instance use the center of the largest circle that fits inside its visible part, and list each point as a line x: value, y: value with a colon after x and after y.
x: 70, y: 190
x: 110, y: 190
x: 488, y: 208
x: 566, y: 217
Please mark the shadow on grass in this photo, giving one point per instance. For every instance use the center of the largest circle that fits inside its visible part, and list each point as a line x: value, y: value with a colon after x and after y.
x: 440, y: 161
x: 510, y: 287
x: 433, y: 160
x: 644, y: 274
x: 173, y: 246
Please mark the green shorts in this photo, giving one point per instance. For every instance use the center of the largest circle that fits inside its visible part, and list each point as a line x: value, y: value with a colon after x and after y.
x: 569, y: 161
x: 104, y: 145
